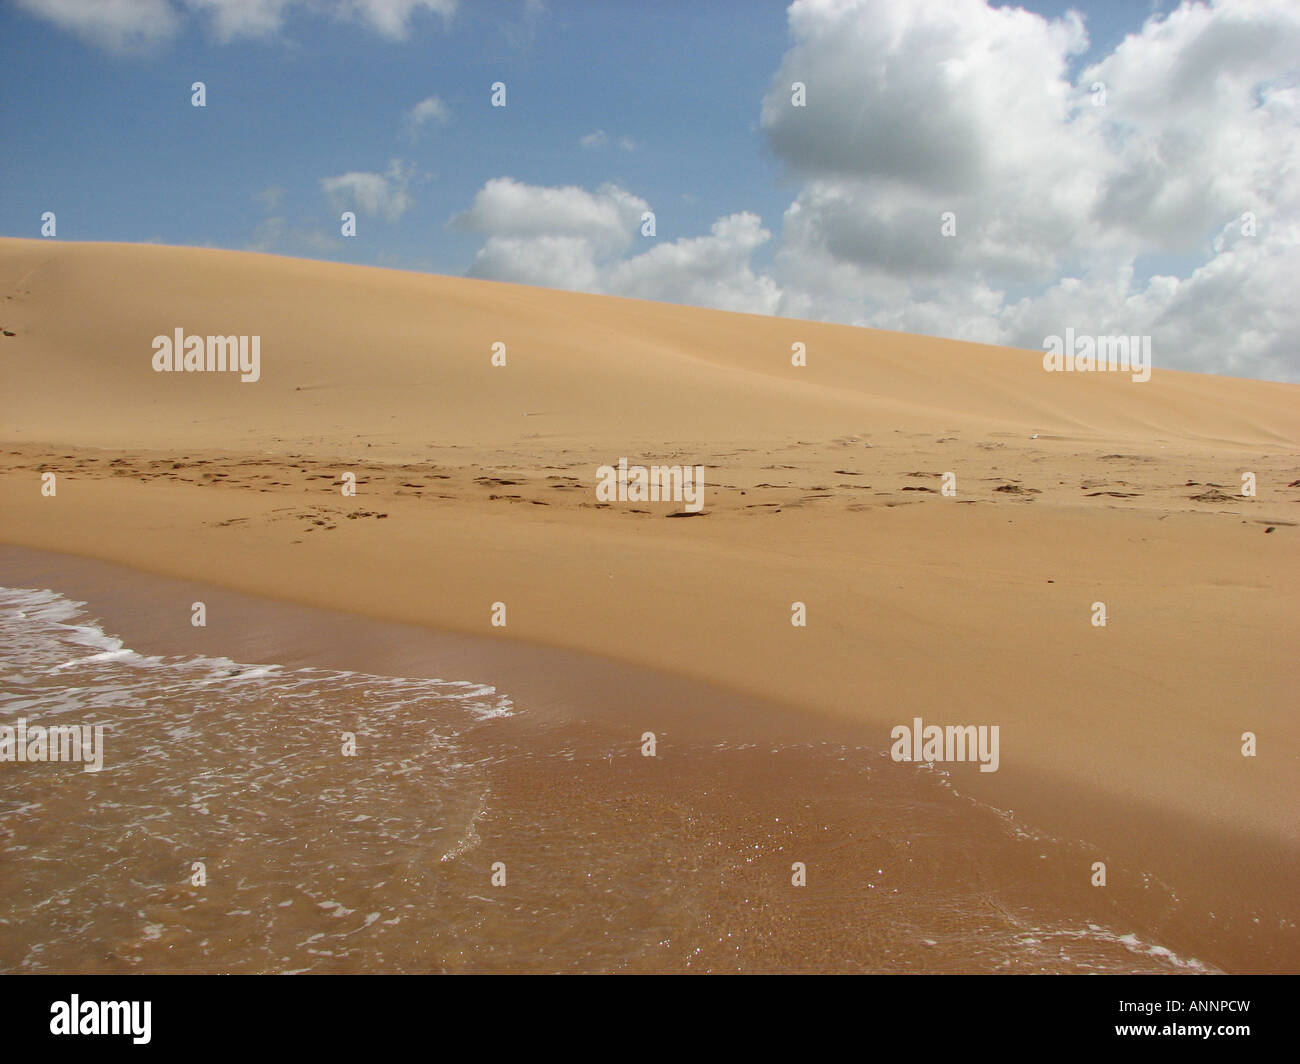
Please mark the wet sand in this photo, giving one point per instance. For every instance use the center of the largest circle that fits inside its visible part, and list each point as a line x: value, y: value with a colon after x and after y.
x: 620, y: 862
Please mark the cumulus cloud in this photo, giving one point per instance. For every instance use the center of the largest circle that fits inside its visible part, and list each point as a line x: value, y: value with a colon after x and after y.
x: 1202, y: 114
x: 711, y: 271
x: 571, y: 238
x: 549, y: 261
x: 386, y: 195
x: 124, y: 25
x: 918, y: 94
x: 917, y: 110
x: 605, y: 222
x: 1060, y: 184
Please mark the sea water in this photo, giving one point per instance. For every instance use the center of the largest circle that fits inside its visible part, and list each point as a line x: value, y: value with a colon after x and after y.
x: 259, y: 818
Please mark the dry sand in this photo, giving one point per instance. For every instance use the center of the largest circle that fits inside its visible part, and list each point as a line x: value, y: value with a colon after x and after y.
x: 476, y: 485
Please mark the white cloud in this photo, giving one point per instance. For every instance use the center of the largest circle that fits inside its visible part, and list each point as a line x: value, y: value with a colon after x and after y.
x: 918, y: 94
x: 387, y: 194
x: 606, y: 221
x: 230, y: 19
x: 600, y: 138
x: 116, y: 25
x: 391, y: 18
x: 712, y: 271
x: 122, y: 25
x: 571, y: 238
x: 914, y: 110
x: 550, y: 261
x: 430, y: 109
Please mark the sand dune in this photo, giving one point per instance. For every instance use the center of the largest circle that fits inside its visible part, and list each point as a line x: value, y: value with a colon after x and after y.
x: 476, y: 485
x: 349, y: 350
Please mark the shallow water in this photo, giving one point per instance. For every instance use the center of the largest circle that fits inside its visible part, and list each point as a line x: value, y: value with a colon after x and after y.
x: 384, y: 861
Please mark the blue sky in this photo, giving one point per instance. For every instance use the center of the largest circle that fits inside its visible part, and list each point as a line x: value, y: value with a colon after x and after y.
x: 676, y: 102
x: 114, y: 145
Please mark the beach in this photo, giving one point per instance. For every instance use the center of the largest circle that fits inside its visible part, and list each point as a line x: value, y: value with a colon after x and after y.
x: 823, y: 487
